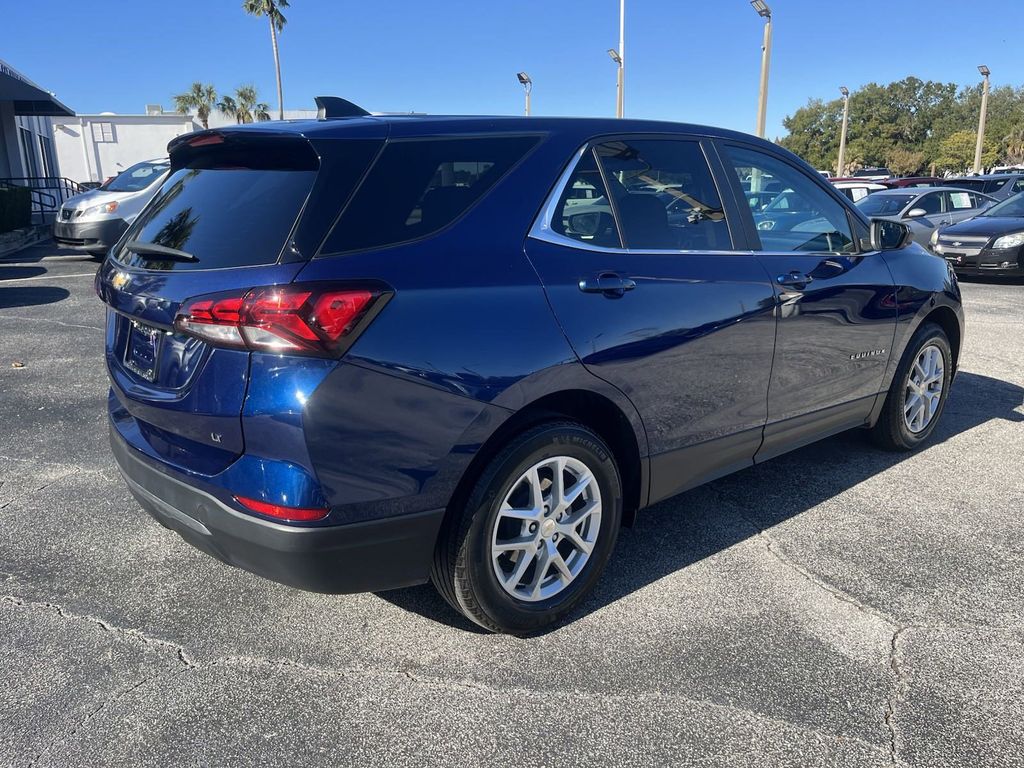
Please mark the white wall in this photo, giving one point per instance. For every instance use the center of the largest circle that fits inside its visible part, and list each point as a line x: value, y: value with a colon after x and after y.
x: 134, y: 138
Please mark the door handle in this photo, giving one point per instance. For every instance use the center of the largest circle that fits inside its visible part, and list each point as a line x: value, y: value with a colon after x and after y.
x: 794, y: 279
x: 608, y: 283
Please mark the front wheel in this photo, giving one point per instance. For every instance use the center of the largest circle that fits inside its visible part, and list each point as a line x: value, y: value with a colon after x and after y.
x: 918, y: 392
x: 535, y: 533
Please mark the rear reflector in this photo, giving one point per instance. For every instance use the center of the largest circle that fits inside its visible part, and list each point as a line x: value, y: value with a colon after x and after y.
x: 296, y: 319
x: 291, y: 514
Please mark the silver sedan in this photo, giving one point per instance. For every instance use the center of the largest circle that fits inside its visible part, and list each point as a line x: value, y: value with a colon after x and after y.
x: 925, y: 209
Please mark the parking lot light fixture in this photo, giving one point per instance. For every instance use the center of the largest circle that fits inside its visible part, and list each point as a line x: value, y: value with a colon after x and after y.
x: 766, y: 56
x: 619, y: 57
x: 842, y: 135
x: 527, y: 84
x: 985, y: 72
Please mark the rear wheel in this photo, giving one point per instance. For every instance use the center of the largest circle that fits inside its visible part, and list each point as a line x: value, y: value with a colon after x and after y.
x: 918, y: 392
x: 536, y: 532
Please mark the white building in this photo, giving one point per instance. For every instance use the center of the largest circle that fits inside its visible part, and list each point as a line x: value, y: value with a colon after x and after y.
x: 96, y: 147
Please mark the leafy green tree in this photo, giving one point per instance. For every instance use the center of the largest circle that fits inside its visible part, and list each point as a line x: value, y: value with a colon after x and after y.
x: 272, y: 10
x: 908, y: 116
x: 904, y: 162
x: 200, y: 98
x: 956, y: 152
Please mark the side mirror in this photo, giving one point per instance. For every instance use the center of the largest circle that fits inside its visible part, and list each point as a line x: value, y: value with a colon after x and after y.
x: 916, y: 213
x: 889, y: 235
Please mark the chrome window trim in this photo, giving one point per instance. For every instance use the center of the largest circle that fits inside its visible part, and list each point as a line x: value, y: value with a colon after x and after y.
x: 541, y: 229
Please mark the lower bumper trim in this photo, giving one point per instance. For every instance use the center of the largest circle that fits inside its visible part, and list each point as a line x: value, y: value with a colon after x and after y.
x: 357, y: 557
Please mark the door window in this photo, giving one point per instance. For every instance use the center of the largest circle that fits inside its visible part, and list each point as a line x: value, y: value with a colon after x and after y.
x: 665, y: 196
x: 931, y: 203
x: 584, y: 213
x: 804, y: 217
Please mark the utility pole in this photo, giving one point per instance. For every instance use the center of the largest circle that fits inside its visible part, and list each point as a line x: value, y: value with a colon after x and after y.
x: 766, y: 57
x: 527, y: 84
x: 985, y: 72
x: 842, y: 136
x: 619, y: 57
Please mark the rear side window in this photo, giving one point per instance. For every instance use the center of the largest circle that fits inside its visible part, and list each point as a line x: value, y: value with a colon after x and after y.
x: 419, y: 187
x: 665, y: 195
x: 222, y: 217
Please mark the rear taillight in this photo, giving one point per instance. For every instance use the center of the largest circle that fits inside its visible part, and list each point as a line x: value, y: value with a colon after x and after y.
x: 295, y: 319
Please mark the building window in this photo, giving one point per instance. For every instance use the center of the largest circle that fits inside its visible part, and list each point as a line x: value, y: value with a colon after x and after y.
x: 102, y: 132
x: 28, y: 153
x: 46, y: 151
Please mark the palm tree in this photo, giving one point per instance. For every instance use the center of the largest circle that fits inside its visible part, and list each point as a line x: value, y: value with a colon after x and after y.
x: 229, y: 107
x: 247, y: 101
x: 199, y: 97
x: 261, y: 112
x: 272, y: 10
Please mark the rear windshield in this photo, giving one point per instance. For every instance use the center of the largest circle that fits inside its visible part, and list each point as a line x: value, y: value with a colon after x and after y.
x: 978, y: 185
x: 418, y: 187
x: 224, y: 217
x: 1011, y: 207
x: 136, y: 178
x: 884, y: 203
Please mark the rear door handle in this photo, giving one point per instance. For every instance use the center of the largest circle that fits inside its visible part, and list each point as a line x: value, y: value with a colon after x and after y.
x: 608, y: 283
x: 794, y: 279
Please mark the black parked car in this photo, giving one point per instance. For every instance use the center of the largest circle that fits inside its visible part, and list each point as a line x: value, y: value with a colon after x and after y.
x: 360, y: 353
x: 992, y: 243
x: 998, y: 185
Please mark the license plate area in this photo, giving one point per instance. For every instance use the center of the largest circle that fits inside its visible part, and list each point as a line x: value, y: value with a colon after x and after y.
x: 956, y: 258
x: 142, y: 350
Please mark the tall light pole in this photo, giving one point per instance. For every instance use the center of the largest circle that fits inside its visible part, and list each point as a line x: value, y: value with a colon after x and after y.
x: 527, y: 84
x: 766, y: 57
x: 842, y: 136
x: 981, y: 120
x: 619, y: 57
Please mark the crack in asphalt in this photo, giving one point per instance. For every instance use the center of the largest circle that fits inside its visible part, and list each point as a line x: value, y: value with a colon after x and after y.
x: 42, y: 487
x: 898, y: 693
x: 179, y: 651
x: 50, y: 320
x: 112, y: 699
x: 181, y: 655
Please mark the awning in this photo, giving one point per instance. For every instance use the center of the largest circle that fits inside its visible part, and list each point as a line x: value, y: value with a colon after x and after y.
x: 28, y: 98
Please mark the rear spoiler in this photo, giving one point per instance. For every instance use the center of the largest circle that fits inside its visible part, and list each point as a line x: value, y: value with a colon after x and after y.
x: 257, y: 149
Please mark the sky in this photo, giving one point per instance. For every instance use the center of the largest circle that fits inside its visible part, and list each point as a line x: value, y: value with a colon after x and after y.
x: 687, y: 60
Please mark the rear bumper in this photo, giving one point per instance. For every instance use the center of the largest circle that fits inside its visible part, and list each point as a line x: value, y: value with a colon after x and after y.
x: 356, y: 557
x: 91, y: 236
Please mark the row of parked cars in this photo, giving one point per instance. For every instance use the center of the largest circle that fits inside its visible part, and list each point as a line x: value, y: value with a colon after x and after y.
x: 976, y: 223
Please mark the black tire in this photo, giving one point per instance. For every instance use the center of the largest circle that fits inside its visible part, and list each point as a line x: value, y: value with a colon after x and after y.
x: 463, y: 572
x: 891, y: 431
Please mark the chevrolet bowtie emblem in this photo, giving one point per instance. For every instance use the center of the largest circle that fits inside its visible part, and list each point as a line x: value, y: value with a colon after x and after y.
x: 957, y: 244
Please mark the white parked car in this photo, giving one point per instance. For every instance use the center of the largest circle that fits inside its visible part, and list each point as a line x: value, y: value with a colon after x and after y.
x: 95, y: 220
x: 858, y: 189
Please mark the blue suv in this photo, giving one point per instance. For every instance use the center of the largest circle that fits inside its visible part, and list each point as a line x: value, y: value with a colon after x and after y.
x: 359, y: 353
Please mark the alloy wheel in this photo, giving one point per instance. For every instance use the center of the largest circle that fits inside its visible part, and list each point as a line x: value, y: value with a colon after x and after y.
x: 546, y: 528
x: 924, y: 389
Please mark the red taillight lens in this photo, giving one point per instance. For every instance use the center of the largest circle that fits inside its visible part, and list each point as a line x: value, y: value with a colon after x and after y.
x: 292, y: 514
x: 300, y: 319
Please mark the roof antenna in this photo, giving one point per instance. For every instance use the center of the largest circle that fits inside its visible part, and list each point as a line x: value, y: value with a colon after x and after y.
x: 328, y: 107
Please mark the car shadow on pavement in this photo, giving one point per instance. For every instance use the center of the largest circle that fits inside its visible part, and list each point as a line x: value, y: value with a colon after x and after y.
x: 32, y: 296
x: 19, y: 272
x: 680, y: 531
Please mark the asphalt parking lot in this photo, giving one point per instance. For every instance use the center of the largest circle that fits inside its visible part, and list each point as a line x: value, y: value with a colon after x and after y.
x: 837, y: 606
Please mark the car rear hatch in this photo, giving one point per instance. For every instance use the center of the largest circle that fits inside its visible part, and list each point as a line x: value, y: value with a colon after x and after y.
x: 241, y: 209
